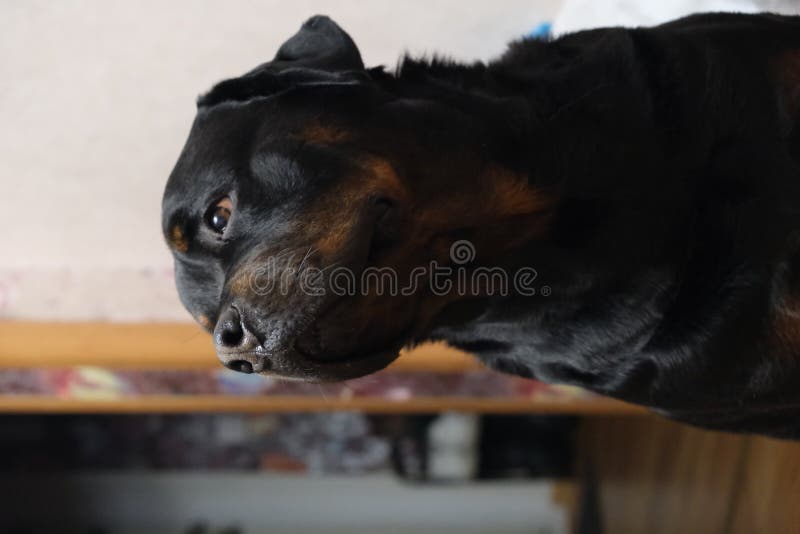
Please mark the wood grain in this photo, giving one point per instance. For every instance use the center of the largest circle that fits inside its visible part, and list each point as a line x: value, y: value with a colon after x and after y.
x: 658, y: 476
x: 251, y: 404
x: 159, y: 346
x: 768, y: 496
x: 171, y: 346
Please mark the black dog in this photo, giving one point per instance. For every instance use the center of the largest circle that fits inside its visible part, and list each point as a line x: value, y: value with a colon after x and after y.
x: 651, y: 177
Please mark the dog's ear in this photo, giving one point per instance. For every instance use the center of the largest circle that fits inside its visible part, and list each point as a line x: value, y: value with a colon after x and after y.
x: 320, y: 53
x: 320, y: 44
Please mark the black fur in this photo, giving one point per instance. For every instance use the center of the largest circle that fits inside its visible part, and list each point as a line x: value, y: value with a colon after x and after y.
x: 672, y: 155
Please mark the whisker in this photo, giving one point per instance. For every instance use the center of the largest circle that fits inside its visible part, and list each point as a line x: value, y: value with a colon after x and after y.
x: 310, y: 252
x: 193, y: 336
x: 302, y: 263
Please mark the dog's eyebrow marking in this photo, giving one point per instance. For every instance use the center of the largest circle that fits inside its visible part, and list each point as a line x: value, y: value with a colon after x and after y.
x: 323, y: 135
x: 204, y: 321
x: 177, y: 239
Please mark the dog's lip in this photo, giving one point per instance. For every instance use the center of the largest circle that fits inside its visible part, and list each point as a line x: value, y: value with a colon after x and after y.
x: 295, y: 365
x: 353, y: 366
x: 292, y: 362
x: 352, y: 357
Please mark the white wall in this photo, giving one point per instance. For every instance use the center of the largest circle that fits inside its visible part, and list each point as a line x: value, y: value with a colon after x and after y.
x: 96, y: 98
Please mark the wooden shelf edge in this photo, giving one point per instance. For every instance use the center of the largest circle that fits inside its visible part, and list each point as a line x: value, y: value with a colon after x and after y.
x: 183, y: 346
x: 11, y: 404
x: 165, y: 346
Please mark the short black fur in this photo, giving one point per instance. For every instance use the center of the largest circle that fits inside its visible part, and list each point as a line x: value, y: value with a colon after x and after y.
x: 670, y: 240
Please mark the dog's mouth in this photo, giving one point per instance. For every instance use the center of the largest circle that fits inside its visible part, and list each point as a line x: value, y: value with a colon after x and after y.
x: 295, y: 365
x: 331, y: 348
x: 321, y: 352
x: 333, y: 364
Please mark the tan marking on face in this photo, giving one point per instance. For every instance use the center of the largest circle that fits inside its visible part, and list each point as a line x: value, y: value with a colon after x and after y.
x: 204, y: 321
x: 323, y: 135
x: 338, y: 214
x: 177, y: 239
x: 241, y: 282
x: 334, y: 239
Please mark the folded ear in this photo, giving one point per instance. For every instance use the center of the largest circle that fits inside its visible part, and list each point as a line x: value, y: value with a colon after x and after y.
x: 320, y: 44
x: 317, y: 54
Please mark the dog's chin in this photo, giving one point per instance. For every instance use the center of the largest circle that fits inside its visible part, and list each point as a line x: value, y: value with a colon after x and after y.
x: 293, y: 365
x: 354, y: 364
x: 350, y: 367
x: 322, y: 354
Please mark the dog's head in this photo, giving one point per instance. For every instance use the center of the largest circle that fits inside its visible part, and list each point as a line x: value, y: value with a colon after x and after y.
x: 307, y: 199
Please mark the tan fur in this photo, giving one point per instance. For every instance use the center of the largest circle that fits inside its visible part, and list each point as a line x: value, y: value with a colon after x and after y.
x: 511, y: 195
x: 204, y: 321
x: 323, y: 135
x: 177, y: 240
x: 340, y: 210
x: 786, y: 327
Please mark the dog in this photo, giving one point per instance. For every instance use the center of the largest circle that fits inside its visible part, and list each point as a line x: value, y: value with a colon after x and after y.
x: 647, y: 180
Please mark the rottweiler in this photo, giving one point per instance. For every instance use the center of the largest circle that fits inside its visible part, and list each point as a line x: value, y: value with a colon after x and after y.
x: 617, y: 209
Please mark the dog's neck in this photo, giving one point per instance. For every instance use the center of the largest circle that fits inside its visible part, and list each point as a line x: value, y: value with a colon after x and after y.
x: 584, y: 280
x: 621, y: 274
x: 593, y: 148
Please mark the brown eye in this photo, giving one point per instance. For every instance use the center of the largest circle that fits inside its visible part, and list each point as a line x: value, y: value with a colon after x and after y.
x: 220, y: 215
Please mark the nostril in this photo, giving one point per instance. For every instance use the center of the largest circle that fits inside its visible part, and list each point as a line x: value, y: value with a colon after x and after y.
x: 237, y: 346
x: 231, y: 335
x: 229, y: 329
x: 243, y: 366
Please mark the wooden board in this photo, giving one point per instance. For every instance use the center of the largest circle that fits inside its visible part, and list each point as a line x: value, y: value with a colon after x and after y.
x: 263, y: 404
x: 662, y: 477
x: 180, y: 346
x: 159, y: 346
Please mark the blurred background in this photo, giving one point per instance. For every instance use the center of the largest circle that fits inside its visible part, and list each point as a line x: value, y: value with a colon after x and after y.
x: 115, y: 414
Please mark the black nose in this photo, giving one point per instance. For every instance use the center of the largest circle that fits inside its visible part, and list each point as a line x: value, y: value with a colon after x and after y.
x: 229, y: 332
x: 236, y: 345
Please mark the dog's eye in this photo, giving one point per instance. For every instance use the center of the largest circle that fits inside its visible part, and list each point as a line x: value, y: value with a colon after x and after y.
x: 219, y: 215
